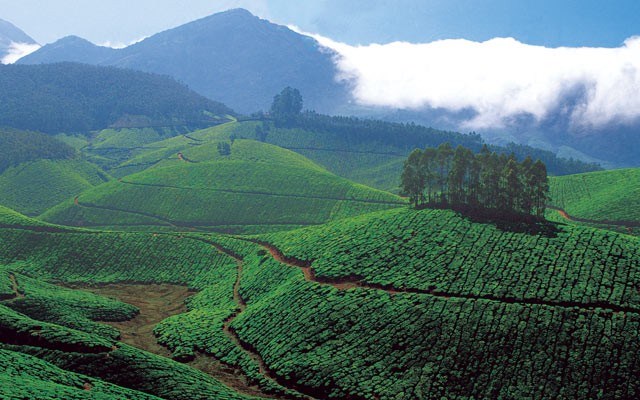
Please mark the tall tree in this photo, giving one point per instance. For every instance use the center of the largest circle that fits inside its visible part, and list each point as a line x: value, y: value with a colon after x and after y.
x: 287, y: 104
x: 412, y: 178
x: 540, y: 187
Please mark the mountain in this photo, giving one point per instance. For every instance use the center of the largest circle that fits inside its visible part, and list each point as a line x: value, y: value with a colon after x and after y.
x: 69, y: 49
x: 233, y: 56
x: 78, y: 98
x: 14, y: 42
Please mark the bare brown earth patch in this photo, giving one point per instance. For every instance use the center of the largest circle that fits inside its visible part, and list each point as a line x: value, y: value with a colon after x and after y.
x: 156, y: 303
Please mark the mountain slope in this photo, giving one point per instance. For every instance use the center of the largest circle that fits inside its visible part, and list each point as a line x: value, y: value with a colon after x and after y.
x: 13, y: 42
x: 232, y: 56
x: 72, y: 98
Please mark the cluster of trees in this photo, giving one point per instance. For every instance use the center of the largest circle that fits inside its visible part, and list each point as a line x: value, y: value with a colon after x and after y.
x: 458, y: 178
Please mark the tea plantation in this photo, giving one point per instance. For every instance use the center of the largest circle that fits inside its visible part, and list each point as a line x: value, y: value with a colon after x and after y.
x: 606, y: 196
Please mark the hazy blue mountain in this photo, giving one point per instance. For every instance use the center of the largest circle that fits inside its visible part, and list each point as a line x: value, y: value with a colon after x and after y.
x: 72, y: 49
x: 10, y: 34
x: 234, y: 57
x: 70, y: 97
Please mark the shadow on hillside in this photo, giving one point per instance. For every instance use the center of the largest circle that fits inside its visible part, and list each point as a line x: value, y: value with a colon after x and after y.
x: 507, y: 222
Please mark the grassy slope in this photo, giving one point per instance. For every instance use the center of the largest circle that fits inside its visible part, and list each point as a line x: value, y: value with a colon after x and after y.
x: 32, y: 188
x: 600, y: 196
x: 102, y: 258
x: 258, y: 185
x: 475, y: 311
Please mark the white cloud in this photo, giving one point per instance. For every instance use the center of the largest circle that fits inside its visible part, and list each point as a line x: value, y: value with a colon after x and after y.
x: 18, y: 50
x: 499, y: 78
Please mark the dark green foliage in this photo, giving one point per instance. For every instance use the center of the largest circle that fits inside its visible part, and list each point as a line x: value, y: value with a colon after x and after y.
x: 368, y: 343
x: 20, y: 146
x: 72, y: 308
x: 69, y: 98
x: 556, y: 165
x: 224, y: 149
x: 286, y: 105
x: 27, y: 377
x: 461, y: 180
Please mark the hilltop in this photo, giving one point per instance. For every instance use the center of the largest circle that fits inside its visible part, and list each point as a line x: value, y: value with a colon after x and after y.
x: 188, y: 182
x: 12, y: 37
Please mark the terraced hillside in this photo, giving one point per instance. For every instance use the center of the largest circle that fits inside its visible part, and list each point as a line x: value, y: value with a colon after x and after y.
x: 608, y: 197
x: 398, y: 304
x: 256, y: 187
x: 34, y: 187
x: 53, y: 330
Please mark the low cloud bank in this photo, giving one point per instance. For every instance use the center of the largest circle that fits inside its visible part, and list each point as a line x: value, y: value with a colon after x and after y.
x: 499, y: 79
x: 18, y: 50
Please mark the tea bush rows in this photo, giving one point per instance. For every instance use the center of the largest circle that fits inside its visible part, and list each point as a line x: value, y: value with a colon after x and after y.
x: 367, y: 343
x: 72, y: 308
x: 27, y: 377
x: 444, y: 252
x: 600, y: 196
x: 111, y: 257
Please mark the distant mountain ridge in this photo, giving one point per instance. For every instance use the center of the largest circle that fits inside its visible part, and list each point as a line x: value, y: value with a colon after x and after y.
x: 233, y: 56
x: 79, y: 98
x: 11, y: 35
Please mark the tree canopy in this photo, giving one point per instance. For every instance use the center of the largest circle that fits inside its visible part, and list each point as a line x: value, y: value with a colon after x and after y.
x: 459, y: 178
x: 287, y: 104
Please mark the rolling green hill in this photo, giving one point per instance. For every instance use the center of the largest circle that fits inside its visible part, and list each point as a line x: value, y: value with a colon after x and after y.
x: 33, y: 187
x: 22, y: 146
x: 398, y: 304
x: 606, y: 196
x: 257, y: 187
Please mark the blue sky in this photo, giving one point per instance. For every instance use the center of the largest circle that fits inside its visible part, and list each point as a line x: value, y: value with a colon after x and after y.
x: 543, y: 22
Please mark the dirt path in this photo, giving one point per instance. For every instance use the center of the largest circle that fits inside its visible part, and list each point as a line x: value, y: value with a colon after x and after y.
x: 356, y: 282
x: 629, y: 225
x: 14, y: 286
x: 156, y: 303
x: 233, y: 336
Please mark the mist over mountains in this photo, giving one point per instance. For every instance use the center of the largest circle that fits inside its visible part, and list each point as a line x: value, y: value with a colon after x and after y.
x: 539, y: 96
x: 14, y: 43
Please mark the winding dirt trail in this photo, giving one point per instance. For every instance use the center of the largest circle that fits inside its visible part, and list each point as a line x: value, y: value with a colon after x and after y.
x: 357, y: 282
x: 15, y: 287
x: 156, y: 303
x: 233, y: 336
x: 629, y: 225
